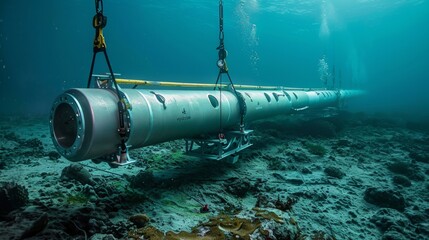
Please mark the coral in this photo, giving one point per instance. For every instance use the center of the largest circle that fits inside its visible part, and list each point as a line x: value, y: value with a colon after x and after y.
x: 218, y: 228
x: 12, y: 196
x: 239, y: 227
x: 264, y: 224
x: 267, y: 215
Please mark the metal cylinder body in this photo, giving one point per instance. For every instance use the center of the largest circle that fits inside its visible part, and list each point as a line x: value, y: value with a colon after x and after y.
x: 84, y: 122
x: 261, y: 104
x: 183, y: 114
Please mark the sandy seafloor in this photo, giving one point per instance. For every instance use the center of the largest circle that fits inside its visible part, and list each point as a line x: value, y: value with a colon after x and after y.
x: 355, y: 176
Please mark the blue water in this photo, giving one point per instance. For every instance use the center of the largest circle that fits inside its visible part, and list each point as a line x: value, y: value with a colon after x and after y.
x: 377, y: 45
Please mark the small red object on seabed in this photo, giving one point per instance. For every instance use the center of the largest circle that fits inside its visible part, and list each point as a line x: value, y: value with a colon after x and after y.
x: 204, y: 209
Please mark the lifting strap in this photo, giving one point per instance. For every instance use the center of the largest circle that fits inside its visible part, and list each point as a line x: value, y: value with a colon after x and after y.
x: 99, y: 21
x: 223, y: 69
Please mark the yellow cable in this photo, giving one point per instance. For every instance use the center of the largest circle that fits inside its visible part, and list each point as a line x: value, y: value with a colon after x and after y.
x: 208, y: 85
x: 183, y: 84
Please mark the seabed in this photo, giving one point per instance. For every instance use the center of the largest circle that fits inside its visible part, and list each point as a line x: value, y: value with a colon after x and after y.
x: 353, y: 176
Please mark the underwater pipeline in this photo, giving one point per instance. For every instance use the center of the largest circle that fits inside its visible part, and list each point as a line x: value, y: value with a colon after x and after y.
x: 84, y: 121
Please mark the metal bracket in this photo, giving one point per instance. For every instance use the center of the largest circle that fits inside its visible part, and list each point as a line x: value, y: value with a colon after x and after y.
x: 121, y: 157
x: 117, y: 159
x: 217, y: 148
x: 104, y: 80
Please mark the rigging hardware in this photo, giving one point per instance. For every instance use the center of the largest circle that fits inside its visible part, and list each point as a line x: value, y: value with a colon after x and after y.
x: 99, y: 22
x: 228, y: 142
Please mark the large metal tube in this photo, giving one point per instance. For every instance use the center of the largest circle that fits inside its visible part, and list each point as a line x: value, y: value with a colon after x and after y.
x: 84, y: 122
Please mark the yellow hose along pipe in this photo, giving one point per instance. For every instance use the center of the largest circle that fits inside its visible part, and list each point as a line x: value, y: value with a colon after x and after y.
x: 204, y: 85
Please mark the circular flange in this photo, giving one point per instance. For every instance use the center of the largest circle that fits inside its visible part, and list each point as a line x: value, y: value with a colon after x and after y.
x: 67, y: 125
